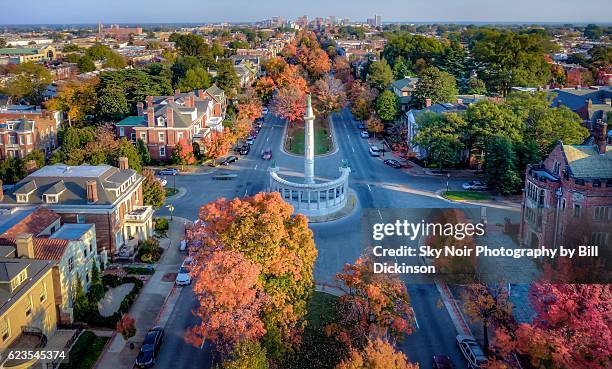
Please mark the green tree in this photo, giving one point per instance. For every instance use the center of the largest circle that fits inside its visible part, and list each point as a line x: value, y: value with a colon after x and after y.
x: 486, y: 119
x: 454, y: 61
x: 412, y: 47
x: 226, y: 78
x: 37, y: 156
x: 436, y: 85
x: 28, y: 82
x: 500, y: 166
x: 194, y: 79
x: 441, y: 136
x: 143, y: 151
x: 476, y: 86
x: 153, y: 193
x: 593, y: 31
x: 387, y: 106
x: 112, y: 103
x: 189, y: 44
x: 248, y: 355
x: 80, y: 303
x: 379, y: 75
x: 2, y: 42
x: 128, y: 150
x: 85, y: 64
x: 401, y: 68
x: 12, y: 170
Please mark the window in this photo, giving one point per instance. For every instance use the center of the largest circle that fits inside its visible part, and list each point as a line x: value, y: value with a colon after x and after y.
x: 133, y: 136
x: 22, y: 198
x: 576, y: 210
x: 143, y: 136
x: 22, y: 276
x: 12, y: 139
x: 5, y: 328
x: 43, y: 292
x: 28, y: 310
x: 556, y: 168
x: 179, y: 136
x: 121, y: 132
x: 602, y: 213
x: 29, y: 139
x: 162, y: 151
x: 51, y: 199
x: 599, y: 239
x: 162, y: 137
x: 80, y: 218
x: 70, y: 264
x: 160, y: 121
x: 21, y: 140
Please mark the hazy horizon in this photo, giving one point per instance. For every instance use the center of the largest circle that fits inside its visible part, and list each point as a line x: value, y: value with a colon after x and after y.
x: 243, y: 11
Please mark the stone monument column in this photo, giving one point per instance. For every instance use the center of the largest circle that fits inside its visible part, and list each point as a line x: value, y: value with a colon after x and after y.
x: 309, y: 144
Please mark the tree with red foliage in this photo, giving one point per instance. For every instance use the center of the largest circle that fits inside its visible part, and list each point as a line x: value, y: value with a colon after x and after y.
x: 230, y: 300
x: 375, y: 305
x: 329, y: 95
x: 289, y: 103
x: 182, y: 154
x: 572, y: 328
x: 291, y: 76
x: 375, y: 125
x: 249, y: 106
x: 126, y: 326
x: 377, y: 354
x: 362, y: 99
x: 342, y: 70
x: 218, y: 143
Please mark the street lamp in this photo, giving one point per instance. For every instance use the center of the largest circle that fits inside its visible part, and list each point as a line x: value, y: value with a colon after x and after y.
x: 171, y: 210
x: 174, y: 175
x: 447, y: 179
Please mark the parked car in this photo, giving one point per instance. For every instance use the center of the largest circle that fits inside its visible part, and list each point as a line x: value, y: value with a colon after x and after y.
x: 365, y: 134
x: 230, y: 159
x: 168, y: 172
x: 471, y: 351
x: 257, y: 129
x: 150, y: 348
x: 224, y: 176
x: 266, y: 154
x: 265, y: 110
x: 374, y: 151
x: 393, y: 163
x: 361, y: 126
x: 250, y: 140
x: 245, y: 149
x: 442, y: 362
x: 475, y: 186
x: 183, y: 245
x: 162, y: 181
x: 183, y: 278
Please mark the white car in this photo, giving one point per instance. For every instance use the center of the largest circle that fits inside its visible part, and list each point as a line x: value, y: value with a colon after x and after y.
x: 162, y: 181
x: 474, y: 186
x: 265, y: 110
x: 365, y: 134
x: 374, y: 151
x: 183, y: 278
x: 471, y: 351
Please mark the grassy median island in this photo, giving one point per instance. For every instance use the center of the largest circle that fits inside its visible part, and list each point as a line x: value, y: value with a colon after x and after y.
x: 466, y: 195
x: 85, y: 351
x: 294, y: 141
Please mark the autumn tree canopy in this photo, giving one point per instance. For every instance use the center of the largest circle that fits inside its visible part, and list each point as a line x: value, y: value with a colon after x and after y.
x: 329, y: 95
x: 377, y: 354
x: 289, y: 103
x: 218, y: 143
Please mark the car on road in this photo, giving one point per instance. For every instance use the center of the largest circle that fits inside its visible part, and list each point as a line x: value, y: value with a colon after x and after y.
x: 250, y: 140
x: 374, y: 151
x: 230, y: 159
x: 393, y: 163
x: 266, y: 154
x: 150, y: 348
x: 245, y: 149
x: 183, y: 278
x: 475, y: 186
x: 224, y: 176
x: 257, y: 130
x: 162, y: 181
x: 442, y: 362
x: 471, y: 351
x: 265, y: 110
x: 361, y: 126
x: 168, y: 172
x: 365, y: 134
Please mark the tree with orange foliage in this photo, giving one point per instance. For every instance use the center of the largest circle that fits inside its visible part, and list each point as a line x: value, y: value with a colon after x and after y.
x: 377, y: 354
x: 182, y: 154
x: 342, y: 69
x: 375, y: 125
x: 241, y: 128
x: 249, y: 106
x: 230, y: 300
x: 375, y: 305
x: 77, y: 99
x: 362, y: 99
x: 126, y: 326
x: 218, y: 144
x: 491, y: 306
x: 289, y: 103
x: 264, y: 87
x: 314, y: 60
x: 291, y: 76
x: 328, y: 95
x: 274, y: 67
x: 263, y: 228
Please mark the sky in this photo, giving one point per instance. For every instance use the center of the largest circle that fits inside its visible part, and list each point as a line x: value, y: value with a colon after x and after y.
x: 208, y: 11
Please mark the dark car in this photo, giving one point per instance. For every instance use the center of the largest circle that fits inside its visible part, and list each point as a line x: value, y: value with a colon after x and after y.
x: 393, y: 163
x: 442, y: 362
x: 168, y: 172
x: 266, y: 154
x: 245, y: 149
x: 229, y: 160
x: 150, y: 348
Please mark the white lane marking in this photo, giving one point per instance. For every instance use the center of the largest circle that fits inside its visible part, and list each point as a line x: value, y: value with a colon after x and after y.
x: 202, y: 345
x: 348, y: 137
x: 267, y: 138
x: 416, y: 322
x: 379, y: 214
x: 255, y: 167
x: 369, y: 188
x: 352, y: 148
x: 246, y: 192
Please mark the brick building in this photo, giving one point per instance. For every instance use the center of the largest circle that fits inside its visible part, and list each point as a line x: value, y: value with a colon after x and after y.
x: 163, y: 121
x: 573, y: 185
x: 108, y: 197
x: 23, y: 130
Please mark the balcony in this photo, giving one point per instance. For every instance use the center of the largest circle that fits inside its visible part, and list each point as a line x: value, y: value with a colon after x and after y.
x: 30, y: 338
x: 139, y: 214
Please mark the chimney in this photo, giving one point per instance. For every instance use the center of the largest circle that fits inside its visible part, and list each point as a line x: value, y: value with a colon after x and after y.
x: 177, y: 92
x: 427, y: 103
x: 1, y: 191
x: 201, y: 94
x: 150, y: 116
x: 92, y: 191
x: 169, y: 117
x: 601, y: 131
x: 191, y: 100
x: 459, y: 101
x: 170, y: 99
x: 589, y: 103
x: 31, y: 166
x: 608, y: 101
x: 123, y: 162
x: 149, y: 101
x: 25, y: 246
x: 140, y: 109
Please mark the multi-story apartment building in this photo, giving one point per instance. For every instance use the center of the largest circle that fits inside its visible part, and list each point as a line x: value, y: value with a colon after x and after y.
x: 569, y: 194
x: 166, y: 120
x: 106, y: 196
x: 23, y: 129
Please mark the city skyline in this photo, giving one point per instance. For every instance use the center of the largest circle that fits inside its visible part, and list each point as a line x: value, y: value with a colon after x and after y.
x: 194, y: 11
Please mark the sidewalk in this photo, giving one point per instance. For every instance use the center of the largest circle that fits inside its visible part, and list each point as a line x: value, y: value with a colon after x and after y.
x: 150, y: 304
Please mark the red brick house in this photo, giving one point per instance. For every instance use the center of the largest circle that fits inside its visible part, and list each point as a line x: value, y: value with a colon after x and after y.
x: 573, y: 183
x: 24, y: 130
x: 162, y: 121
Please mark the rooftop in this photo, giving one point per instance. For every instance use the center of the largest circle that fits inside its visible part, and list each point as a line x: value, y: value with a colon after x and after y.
x: 32, y: 220
x: 586, y: 162
x: 72, y: 231
x: 8, y: 266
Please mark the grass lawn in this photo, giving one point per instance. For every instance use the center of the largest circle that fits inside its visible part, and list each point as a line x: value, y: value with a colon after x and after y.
x: 85, y: 351
x: 321, y: 138
x: 170, y: 191
x: 466, y: 195
x: 321, y: 309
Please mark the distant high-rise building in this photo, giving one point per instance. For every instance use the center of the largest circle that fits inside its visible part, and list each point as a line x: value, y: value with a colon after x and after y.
x: 377, y: 21
x: 302, y: 21
x: 332, y: 20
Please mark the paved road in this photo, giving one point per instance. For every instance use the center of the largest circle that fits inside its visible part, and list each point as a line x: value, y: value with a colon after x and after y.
x: 338, y: 242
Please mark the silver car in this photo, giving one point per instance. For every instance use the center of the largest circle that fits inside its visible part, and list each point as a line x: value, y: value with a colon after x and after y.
x: 471, y: 350
x: 374, y: 151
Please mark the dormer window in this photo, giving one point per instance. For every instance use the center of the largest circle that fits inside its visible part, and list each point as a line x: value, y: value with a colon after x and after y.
x: 161, y: 121
x: 51, y: 199
x: 22, y: 198
x: 19, y: 279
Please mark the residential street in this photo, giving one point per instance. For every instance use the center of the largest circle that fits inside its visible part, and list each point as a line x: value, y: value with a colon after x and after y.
x: 376, y: 186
